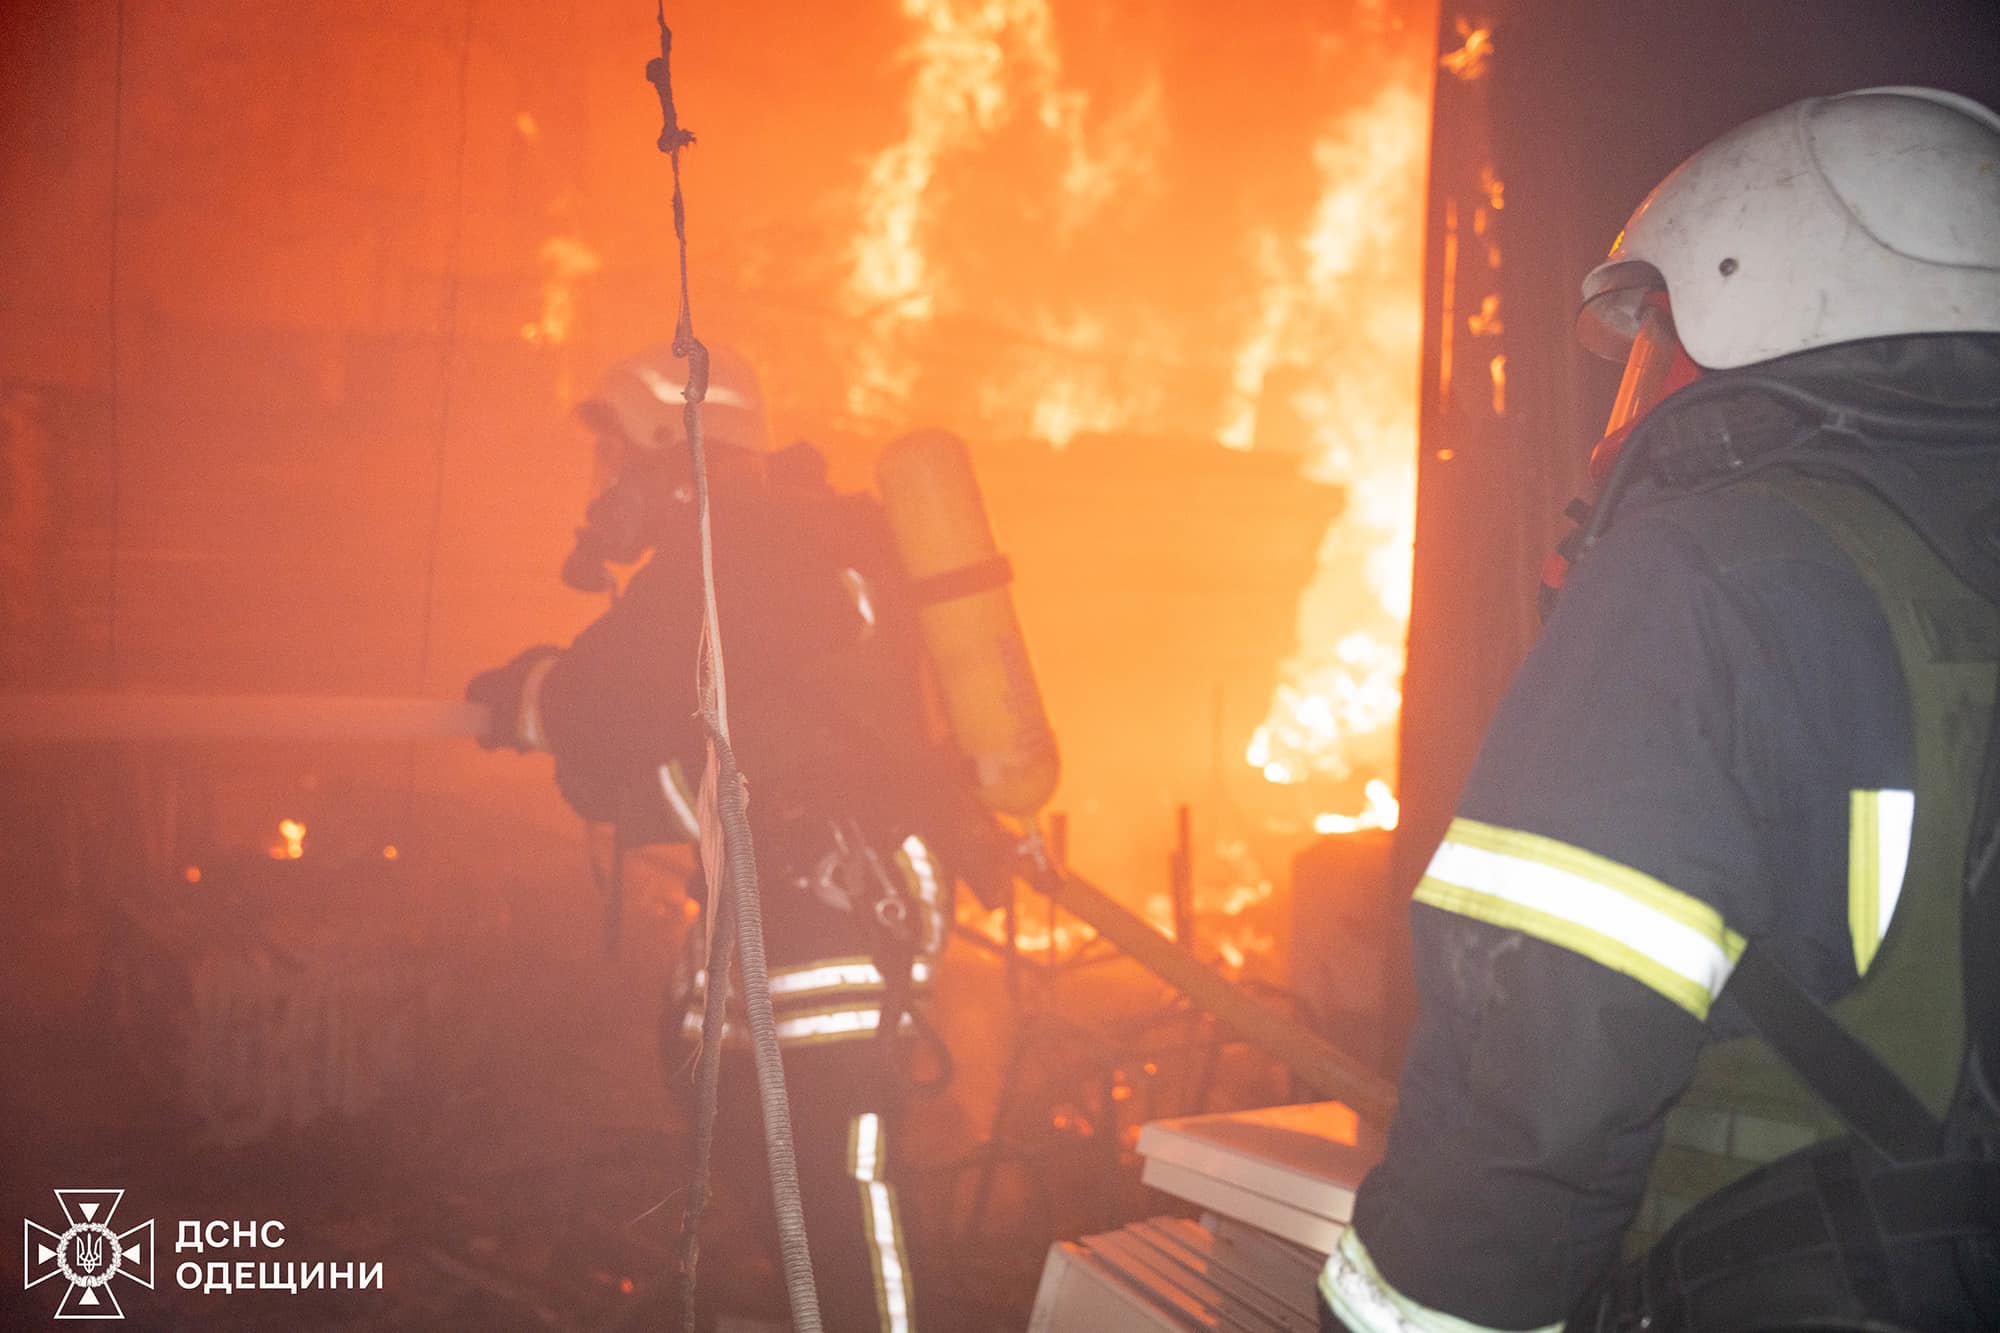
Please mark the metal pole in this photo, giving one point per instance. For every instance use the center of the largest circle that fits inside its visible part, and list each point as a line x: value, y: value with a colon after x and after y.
x: 1182, y: 877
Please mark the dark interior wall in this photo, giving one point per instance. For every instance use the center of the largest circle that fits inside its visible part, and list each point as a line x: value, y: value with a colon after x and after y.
x: 1580, y: 108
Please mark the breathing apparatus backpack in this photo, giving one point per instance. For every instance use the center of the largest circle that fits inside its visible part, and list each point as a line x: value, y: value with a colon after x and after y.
x: 973, y: 637
x: 1891, y: 1221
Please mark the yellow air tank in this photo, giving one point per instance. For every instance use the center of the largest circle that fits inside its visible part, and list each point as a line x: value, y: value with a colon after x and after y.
x: 968, y: 619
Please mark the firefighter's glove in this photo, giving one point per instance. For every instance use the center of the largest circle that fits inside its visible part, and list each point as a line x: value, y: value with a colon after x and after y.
x: 512, y: 695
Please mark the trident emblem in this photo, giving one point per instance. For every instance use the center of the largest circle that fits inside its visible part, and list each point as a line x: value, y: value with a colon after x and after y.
x: 88, y: 1253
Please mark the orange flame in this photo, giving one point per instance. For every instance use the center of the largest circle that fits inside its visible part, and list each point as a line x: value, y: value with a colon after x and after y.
x: 293, y: 844
x: 566, y: 262
x: 1381, y: 812
x: 978, y: 65
x: 1336, y: 708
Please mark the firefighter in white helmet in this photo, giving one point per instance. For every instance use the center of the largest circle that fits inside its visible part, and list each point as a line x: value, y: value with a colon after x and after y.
x: 1706, y: 958
x: 855, y: 813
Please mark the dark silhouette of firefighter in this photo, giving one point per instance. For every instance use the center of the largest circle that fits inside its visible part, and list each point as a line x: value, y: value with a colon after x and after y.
x: 861, y: 817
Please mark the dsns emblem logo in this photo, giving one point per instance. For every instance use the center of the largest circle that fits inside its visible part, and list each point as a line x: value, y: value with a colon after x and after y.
x: 88, y: 1253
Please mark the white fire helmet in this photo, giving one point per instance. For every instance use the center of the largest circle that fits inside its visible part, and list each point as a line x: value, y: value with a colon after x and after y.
x: 639, y: 403
x: 1836, y: 219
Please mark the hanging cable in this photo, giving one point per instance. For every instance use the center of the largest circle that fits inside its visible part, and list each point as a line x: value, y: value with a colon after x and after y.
x: 447, y: 359
x: 117, y: 515
x: 724, y: 811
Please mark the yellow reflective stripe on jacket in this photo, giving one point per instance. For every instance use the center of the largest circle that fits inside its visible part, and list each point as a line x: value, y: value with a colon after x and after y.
x: 1363, y: 1300
x: 888, y: 1255
x: 1878, y: 852
x: 1611, y: 914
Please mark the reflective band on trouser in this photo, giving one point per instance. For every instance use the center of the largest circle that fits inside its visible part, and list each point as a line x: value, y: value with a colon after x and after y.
x: 1362, y: 1299
x: 1589, y: 904
x: 886, y: 1250
x: 808, y: 1028
x: 1878, y: 852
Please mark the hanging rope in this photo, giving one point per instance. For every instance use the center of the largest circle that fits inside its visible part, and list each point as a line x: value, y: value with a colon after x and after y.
x: 724, y: 813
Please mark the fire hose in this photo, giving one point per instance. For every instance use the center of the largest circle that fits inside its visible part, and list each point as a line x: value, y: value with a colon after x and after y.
x: 724, y: 811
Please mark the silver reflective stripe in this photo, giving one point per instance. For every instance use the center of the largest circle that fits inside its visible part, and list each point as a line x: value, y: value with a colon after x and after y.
x: 864, y: 1156
x: 833, y: 1024
x: 793, y: 983
x: 865, y: 1152
x: 923, y: 867
x: 528, y: 726
x: 839, y: 976
x: 1362, y: 1299
x: 831, y: 976
x: 671, y: 784
x: 864, y: 599
x: 885, y: 1236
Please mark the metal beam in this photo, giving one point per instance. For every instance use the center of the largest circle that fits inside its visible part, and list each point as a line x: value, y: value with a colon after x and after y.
x: 1325, y: 1067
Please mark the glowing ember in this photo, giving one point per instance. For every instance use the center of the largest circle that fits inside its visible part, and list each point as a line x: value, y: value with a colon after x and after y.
x: 192, y: 874
x: 1032, y: 932
x: 1382, y: 812
x: 1468, y: 62
x: 293, y: 845
x: 566, y: 262
x: 390, y: 853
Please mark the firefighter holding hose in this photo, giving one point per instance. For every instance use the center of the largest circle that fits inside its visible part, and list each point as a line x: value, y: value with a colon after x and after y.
x: 858, y: 813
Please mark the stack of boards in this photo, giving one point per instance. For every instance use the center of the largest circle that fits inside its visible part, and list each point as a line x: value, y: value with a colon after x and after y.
x: 1277, y: 1186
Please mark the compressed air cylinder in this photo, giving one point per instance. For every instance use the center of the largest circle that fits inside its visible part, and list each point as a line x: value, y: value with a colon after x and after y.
x: 968, y: 620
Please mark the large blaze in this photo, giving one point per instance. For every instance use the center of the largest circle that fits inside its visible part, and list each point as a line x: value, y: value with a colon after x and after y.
x: 1047, y: 242
x: 1345, y: 306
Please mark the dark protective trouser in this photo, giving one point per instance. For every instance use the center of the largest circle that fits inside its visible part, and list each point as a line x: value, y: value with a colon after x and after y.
x: 844, y: 1127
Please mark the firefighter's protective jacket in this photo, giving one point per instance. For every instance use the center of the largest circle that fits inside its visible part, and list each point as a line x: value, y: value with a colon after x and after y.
x: 826, y: 719
x: 848, y: 798
x: 1711, y: 743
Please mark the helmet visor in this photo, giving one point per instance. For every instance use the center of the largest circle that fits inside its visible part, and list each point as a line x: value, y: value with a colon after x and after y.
x: 1655, y: 365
